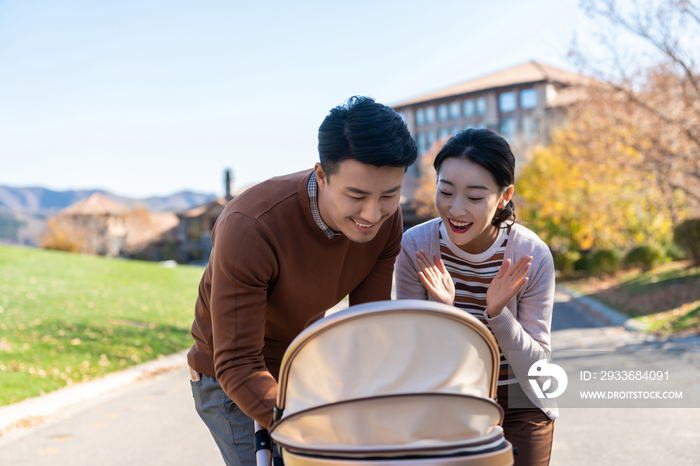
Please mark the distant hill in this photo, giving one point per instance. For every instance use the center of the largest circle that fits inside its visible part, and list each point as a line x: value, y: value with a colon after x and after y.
x: 44, y: 201
x: 23, y: 211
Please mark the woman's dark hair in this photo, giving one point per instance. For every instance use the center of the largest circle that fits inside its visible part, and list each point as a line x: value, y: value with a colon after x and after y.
x: 491, y: 151
x: 366, y: 131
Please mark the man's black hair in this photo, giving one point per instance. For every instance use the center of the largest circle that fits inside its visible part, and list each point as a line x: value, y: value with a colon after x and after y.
x: 364, y: 130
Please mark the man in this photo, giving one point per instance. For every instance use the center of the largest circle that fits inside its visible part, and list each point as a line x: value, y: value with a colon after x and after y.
x: 284, y: 252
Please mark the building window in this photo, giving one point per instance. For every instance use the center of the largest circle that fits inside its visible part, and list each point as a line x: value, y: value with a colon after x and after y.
x: 420, y: 142
x: 454, y: 130
x: 443, y: 112
x: 481, y: 106
x: 420, y: 117
x: 430, y: 139
x: 529, y: 128
x: 443, y: 133
x: 508, y: 127
x: 506, y: 102
x: 194, y: 230
x: 468, y: 108
x: 528, y: 98
x: 454, y: 110
x: 482, y: 125
x: 430, y: 115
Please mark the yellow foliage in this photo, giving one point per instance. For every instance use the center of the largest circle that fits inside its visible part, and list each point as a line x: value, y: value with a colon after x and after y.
x: 424, y: 196
x: 61, y: 237
x: 579, y: 192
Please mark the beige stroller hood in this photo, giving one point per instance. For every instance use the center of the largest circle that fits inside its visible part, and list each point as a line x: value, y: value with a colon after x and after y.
x: 408, y: 381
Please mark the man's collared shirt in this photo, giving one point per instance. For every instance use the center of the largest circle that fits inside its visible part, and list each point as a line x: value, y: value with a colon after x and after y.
x: 315, y: 213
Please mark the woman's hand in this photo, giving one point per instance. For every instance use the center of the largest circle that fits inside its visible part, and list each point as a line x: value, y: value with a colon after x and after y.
x: 435, y: 278
x: 506, y: 284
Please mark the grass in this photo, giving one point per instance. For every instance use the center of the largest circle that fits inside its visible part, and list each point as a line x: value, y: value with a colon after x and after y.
x: 67, y: 318
x: 666, y: 299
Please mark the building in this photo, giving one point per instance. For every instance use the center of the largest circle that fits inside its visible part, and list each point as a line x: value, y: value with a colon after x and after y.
x: 196, y: 224
x: 523, y: 104
x: 194, y: 230
x: 98, y: 225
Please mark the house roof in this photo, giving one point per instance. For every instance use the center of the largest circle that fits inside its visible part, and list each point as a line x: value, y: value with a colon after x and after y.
x: 96, y: 204
x: 529, y: 72
x: 216, y: 204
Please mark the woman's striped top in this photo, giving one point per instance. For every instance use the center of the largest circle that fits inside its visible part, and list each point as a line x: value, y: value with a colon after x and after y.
x: 472, y: 274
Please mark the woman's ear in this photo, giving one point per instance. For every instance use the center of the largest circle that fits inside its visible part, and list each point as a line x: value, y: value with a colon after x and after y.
x: 506, y: 197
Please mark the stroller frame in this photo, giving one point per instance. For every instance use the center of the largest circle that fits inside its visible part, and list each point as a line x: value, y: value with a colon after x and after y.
x: 332, y: 404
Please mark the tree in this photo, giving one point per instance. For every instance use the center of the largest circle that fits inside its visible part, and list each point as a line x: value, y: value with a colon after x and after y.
x: 580, y: 193
x: 649, y: 73
x: 424, y: 195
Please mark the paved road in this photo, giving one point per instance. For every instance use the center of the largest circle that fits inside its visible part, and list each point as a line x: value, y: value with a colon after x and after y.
x: 152, y: 422
x: 623, y: 436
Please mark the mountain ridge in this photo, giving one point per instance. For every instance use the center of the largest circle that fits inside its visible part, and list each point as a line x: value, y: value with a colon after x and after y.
x: 37, y: 200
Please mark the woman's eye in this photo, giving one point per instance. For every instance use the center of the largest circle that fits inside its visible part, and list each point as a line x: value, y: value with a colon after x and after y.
x: 474, y: 199
x: 446, y: 194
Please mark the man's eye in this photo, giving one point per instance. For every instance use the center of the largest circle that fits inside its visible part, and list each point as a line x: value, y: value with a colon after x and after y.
x: 356, y: 198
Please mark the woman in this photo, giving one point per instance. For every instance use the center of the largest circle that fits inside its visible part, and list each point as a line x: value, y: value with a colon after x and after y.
x: 475, y: 257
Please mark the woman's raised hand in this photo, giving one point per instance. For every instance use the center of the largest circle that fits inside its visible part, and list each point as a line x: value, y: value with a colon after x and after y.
x: 506, y: 284
x: 435, y: 278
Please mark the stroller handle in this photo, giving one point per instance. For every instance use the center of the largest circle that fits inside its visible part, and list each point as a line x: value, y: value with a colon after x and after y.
x: 263, y: 446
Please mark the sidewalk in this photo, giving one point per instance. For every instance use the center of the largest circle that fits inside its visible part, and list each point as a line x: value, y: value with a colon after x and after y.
x: 608, y: 316
x: 38, y: 410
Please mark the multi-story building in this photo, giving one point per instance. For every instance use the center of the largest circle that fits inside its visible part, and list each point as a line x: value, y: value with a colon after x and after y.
x: 523, y: 104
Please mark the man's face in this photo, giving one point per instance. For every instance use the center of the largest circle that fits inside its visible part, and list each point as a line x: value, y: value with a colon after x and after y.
x: 358, y: 198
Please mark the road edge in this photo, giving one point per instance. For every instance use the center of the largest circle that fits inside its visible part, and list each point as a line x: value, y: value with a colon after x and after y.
x: 33, y: 411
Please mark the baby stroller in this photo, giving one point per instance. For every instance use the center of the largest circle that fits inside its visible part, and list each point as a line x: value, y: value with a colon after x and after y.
x: 390, y: 383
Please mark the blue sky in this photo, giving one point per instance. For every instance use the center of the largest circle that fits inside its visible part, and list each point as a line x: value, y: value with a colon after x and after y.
x: 153, y: 97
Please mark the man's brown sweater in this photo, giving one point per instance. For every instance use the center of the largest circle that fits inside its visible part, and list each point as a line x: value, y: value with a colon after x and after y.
x: 271, y: 272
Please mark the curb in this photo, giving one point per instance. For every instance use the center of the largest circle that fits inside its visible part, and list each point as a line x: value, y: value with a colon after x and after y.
x: 602, y: 312
x: 32, y: 411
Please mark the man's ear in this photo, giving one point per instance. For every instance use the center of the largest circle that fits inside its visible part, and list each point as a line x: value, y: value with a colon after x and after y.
x: 506, y: 197
x: 321, y: 177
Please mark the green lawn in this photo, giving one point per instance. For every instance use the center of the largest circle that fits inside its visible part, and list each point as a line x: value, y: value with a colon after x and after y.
x: 67, y: 318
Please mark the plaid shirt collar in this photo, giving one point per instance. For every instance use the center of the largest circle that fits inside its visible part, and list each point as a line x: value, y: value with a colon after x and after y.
x: 315, y: 213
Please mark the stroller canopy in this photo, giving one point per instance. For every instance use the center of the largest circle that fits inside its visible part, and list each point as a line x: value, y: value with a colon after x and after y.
x: 408, y: 375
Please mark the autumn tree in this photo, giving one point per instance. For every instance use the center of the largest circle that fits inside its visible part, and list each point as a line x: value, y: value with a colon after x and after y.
x: 579, y: 193
x: 424, y: 195
x: 649, y: 73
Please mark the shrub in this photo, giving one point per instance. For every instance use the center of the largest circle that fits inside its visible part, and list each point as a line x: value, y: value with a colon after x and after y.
x: 687, y: 236
x: 675, y: 253
x: 604, y: 261
x: 565, y: 262
x: 644, y: 257
x: 581, y: 265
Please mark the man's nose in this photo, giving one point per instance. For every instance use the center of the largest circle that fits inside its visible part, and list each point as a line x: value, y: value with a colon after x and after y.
x: 371, y: 211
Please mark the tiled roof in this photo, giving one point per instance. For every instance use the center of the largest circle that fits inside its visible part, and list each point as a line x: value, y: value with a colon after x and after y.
x: 96, y: 204
x: 529, y: 72
x: 214, y: 205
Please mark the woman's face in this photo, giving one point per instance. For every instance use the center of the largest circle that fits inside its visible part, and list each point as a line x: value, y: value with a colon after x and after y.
x: 467, y: 198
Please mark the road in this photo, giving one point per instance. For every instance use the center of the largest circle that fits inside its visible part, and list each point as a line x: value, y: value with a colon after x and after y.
x: 152, y: 422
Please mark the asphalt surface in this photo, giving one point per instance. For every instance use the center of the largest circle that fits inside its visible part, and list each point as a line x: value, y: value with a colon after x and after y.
x: 152, y: 420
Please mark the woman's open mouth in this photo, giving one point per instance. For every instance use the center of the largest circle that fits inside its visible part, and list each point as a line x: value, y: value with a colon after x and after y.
x: 460, y: 227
